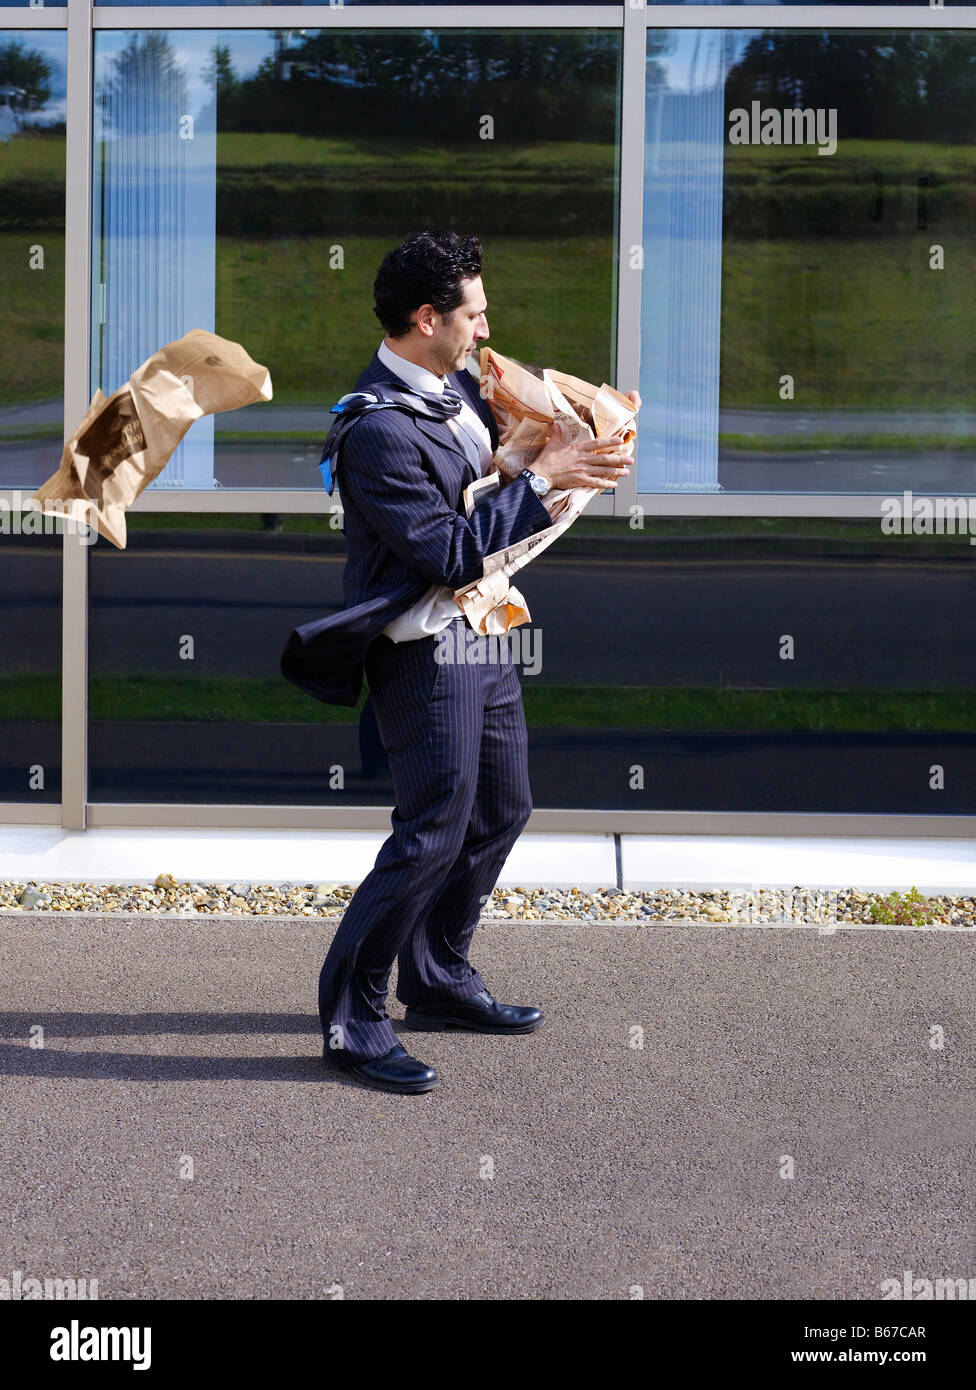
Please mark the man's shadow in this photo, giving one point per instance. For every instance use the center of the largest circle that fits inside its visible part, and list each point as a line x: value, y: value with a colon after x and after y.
x: 61, y: 1056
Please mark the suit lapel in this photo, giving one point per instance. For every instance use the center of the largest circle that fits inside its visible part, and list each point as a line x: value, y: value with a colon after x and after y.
x: 437, y: 431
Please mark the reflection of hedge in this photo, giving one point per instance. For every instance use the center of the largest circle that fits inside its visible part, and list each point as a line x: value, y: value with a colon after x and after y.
x: 521, y: 110
x: 870, y: 205
x: 32, y: 205
x: 290, y: 203
x: 250, y: 204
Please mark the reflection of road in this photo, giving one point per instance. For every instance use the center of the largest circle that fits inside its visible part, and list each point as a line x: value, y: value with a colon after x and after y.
x: 32, y: 413
x: 793, y: 420
x: 943, y: 472
x: 708, y: 621
x: 292, y: 764
x: 700, y: 621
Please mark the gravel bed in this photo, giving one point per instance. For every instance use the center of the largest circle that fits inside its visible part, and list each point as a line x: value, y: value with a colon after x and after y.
x: 165, y: 895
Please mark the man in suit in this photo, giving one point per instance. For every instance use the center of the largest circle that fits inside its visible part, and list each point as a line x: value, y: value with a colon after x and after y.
x: 453, y: 731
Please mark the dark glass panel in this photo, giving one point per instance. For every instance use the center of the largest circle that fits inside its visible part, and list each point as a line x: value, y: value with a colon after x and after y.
x: 742, y: 665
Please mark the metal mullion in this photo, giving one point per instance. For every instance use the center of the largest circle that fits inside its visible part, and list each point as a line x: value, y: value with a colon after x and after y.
x: 631, y: 229
x: 839, y: 506
x: 77, y: 301
x: 513, y: 16
x: 33, y: 19
x: 314, y: 501
x: 510, y: 16
x: 272, y: 817
x: 809, y: 17
x: 30, y: 813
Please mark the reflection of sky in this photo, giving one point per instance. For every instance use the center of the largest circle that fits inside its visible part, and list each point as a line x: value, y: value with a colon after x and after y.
x: 193, y: 51
x: 691, y: 58
x: 53, y: 46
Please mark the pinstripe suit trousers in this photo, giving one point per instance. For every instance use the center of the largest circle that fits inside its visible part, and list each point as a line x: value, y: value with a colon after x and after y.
x: 454, y: 732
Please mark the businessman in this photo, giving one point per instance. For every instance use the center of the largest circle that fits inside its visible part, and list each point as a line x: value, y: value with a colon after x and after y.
x: 453, y: 731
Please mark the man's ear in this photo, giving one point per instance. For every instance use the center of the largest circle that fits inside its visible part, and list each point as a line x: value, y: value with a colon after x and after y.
x: 424, y: 319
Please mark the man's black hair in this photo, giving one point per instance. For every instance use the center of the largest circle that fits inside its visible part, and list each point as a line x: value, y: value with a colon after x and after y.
x: 429, y: 267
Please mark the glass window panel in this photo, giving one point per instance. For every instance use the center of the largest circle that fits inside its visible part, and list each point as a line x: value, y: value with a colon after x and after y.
x: 250, y: 183
x: 662, y: 683
x: 659, y: 649
x: 32, y: 136
x: 186, y: 699
x: 30, y: 654
x: 809, y: 274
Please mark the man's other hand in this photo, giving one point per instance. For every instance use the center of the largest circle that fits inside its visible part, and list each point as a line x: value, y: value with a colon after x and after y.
x: 569, y: 464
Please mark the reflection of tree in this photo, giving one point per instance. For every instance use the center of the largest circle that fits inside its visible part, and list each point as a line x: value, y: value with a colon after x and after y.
x: 901, y: 85
x: 220, y: 70
x: 147, y: 67
x: 24, y: 80
x: 536, y: 84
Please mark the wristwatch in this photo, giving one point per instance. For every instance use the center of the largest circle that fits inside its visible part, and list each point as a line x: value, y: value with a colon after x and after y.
x: 540, y: 486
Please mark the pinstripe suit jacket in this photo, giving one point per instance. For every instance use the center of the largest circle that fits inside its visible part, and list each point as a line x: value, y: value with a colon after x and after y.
x: 401, y: 478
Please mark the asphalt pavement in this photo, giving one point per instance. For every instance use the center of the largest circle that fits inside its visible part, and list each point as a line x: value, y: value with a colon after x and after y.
x: 727, y: 1113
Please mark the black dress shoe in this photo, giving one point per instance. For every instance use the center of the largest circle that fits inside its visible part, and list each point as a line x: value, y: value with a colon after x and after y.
x: 481, y: 1013
x: 396, y: 1070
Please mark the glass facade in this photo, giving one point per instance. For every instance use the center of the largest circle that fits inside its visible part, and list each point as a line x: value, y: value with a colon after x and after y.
x: 770, y: 234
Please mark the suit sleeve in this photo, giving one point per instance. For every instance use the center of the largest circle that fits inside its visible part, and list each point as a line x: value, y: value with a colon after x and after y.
x: 382, y: 473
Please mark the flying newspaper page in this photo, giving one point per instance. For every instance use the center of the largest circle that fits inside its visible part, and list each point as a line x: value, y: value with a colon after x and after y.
x: 125, y: 440
x: 526, y: 409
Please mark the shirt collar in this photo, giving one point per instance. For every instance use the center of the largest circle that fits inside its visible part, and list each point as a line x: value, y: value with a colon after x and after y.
x: 417, y: 377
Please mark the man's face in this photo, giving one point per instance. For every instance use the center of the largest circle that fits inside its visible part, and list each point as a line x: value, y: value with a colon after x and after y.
x: 464, y: 329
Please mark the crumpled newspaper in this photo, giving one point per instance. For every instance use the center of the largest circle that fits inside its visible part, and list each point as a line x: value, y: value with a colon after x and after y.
x: 526, y: 409
x: 126, y: 439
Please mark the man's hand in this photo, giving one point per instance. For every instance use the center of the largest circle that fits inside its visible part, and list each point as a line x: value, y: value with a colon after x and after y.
x: 569, y: 465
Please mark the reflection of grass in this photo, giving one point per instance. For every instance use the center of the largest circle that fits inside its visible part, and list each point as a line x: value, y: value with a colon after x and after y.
x: 855, y: 323
x: 35, y: 157
x: 32, y: 317
x: 372, y: 155
x: 870, y: 711
x: 232, y: 700
x: 314, y: 328
x: 898, y: 160
x: 714, y: 528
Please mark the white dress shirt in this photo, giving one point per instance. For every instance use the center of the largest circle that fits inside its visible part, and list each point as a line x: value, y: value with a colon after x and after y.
x: 436, y: 608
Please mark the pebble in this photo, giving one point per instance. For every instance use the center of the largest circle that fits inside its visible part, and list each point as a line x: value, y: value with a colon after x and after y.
x: 716, y: 907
